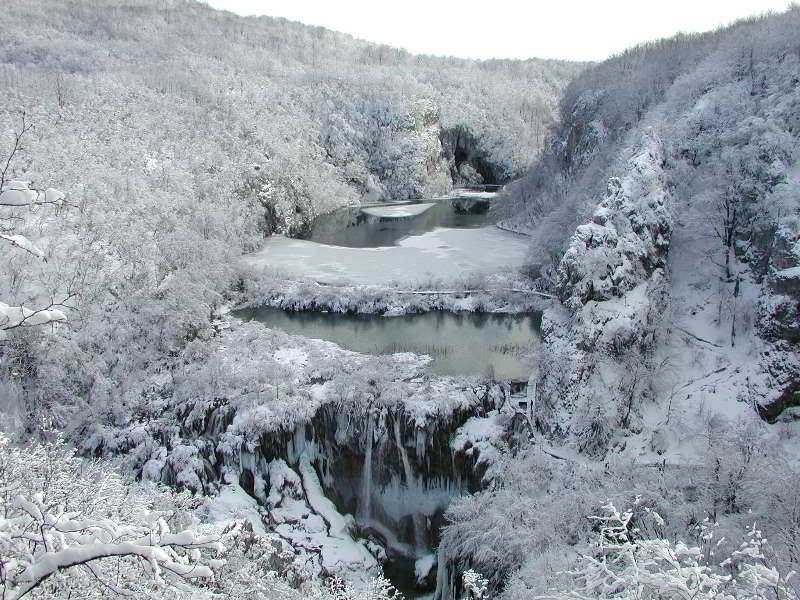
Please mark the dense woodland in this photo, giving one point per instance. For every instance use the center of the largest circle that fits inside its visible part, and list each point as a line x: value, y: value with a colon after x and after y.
x: 147, y: 144
x: 182, y: 136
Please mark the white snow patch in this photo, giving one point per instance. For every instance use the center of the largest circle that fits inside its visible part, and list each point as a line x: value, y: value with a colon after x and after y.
x: 12, y: 316
x: 479, y: 434
x: 398, y: 212
x: 294, y: 357
x: 792, y: 273
x: 461, y: 193
x: 234, y: 504
x: 423, y: 567
x: 20, y: 241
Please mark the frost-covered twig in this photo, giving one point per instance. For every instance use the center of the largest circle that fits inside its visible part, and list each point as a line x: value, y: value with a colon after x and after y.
x: 623, y: 564
x: 76, y: 526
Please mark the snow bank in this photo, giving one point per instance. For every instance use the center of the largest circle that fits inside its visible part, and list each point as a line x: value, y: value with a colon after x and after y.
x: 480, y: 434
x: 234, y: 504
x: 498, y: 292
x: 462, y: 193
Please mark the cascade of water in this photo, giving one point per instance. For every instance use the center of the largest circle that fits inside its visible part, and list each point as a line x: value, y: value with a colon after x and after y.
x: 419, y: 531
x: 365, y: 509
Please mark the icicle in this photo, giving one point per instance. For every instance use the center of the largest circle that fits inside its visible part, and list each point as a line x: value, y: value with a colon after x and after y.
x: 366, y: 473
x: 419, y: 531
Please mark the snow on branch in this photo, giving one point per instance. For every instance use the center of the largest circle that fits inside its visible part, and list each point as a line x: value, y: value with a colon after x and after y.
x: 14, y: 317
x: 19, y: 194
x: 49, y: 537
x: 623, y: 563
x: 23, y: 243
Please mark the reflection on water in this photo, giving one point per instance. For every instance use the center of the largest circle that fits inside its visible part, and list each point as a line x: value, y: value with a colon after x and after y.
x: 350, y: 227
x: 458, y: 343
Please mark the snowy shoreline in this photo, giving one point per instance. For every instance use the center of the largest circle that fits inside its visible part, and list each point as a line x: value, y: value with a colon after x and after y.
x: 506, y: 293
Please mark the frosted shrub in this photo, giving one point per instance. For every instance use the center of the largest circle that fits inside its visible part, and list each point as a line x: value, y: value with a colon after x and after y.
x: 476, y: 586
x: 68, y: 526
x: 622, y: 564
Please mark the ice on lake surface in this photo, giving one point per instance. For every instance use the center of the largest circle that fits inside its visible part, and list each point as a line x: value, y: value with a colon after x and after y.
x: 442, y: 254
x: 403, y: 211
x: 458, y: 343
x: 388, y: 224
x: 412, y: 243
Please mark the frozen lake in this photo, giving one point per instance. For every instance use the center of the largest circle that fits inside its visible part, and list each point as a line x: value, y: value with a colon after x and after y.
x: 387, y: 225
x: 441, y: 254
x: 458, y: 343
x: 441, y: 240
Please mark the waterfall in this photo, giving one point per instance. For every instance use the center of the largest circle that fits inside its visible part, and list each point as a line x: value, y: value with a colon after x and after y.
x: 419, y: 530
x: 366, y: 474
x: 330, y: 447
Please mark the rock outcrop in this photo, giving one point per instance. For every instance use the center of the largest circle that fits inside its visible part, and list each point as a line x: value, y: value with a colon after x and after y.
x: 611, y: 285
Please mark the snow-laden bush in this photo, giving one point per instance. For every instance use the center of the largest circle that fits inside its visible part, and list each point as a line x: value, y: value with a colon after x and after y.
x: 623, y: 563
x: 71, y: 526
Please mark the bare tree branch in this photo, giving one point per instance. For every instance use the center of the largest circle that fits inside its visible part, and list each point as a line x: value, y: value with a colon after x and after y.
x: 17, y: 146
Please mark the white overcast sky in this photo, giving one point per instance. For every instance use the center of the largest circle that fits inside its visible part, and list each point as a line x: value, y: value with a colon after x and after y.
x: 571, y: 29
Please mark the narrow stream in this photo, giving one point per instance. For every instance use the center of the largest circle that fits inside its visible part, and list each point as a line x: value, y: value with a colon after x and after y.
x: 494, y: 345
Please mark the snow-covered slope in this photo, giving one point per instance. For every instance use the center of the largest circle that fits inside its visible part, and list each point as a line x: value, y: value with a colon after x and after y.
x: 612, y: 287
x: 691, y: 250
x: 664, y: 215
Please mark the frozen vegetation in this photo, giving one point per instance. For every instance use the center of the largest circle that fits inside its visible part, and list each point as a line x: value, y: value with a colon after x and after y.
x: 154, y: 446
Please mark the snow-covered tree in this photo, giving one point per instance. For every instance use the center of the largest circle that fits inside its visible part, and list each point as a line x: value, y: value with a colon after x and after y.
x: 624, y: 563
x: 16, y: 199
x: 69, y: 525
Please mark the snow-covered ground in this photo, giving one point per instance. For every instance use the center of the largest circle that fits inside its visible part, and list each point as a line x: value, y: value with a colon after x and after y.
x: 441, y: 254
x: 706, y: 372
x: 463, y: 193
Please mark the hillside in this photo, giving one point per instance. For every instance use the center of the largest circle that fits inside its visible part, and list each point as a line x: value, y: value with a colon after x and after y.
x: 328, y: 119
x: 183, y: 136
x: 663, y: 215
x: 700, y: 137
x: 161, y: 437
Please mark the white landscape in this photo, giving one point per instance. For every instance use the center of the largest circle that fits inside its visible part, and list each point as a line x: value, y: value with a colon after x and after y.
x: 289, y: 315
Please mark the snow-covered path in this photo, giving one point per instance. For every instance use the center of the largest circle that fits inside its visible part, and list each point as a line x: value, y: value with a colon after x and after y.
x: 441, y: 254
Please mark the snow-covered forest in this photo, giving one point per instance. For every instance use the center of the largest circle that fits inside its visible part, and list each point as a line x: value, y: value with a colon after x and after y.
x: 171, y: 178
